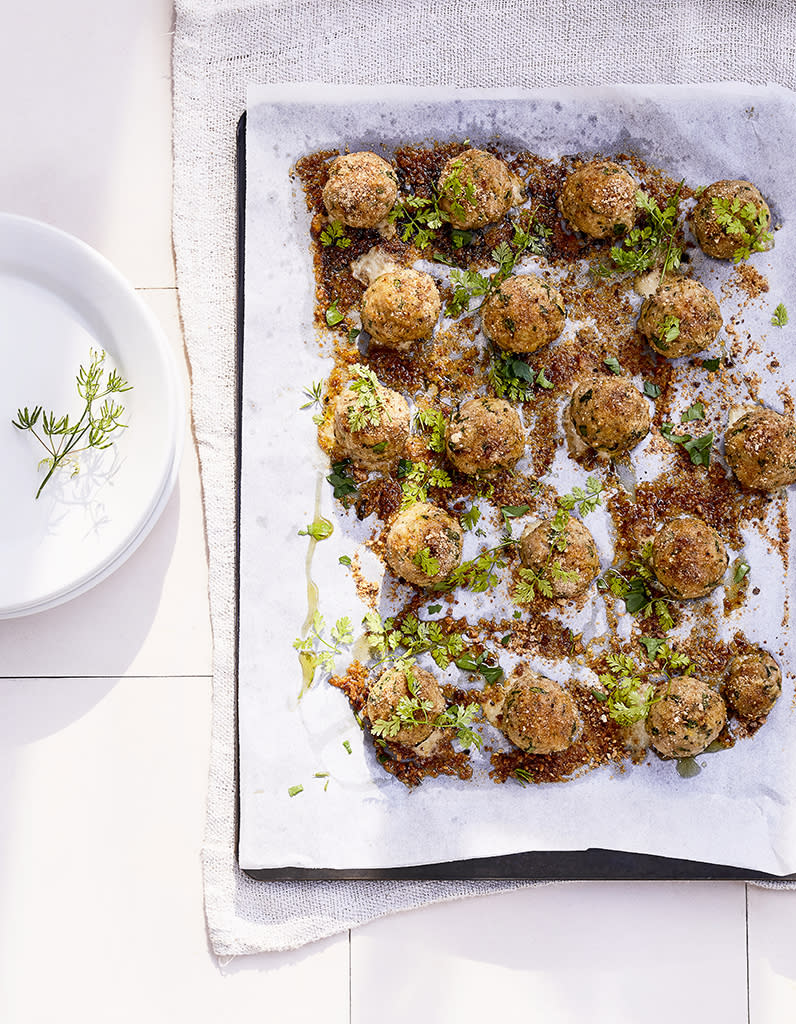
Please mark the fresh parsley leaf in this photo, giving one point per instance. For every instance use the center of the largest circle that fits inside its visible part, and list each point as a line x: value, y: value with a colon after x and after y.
x: 584, y: 500
x: 368, y: 406
x: 433, y: 609
x: 743, y: 221
x: 780, y: 317
x: 470, y: 518
x: 434, y: 421
x: 320, y: 529
x: 693, y: 412
x: 426, y: 562
x: 711, y: 364
x: 343, y: 485
x: 698, y: 448
x: 334, y: 234
x: 651, y: 390
x: 669, y: 331
x: 613, y: 365
x: 650, y: 245
x: 542, y: 380
x: 416, y: 479
x: 333, y: 315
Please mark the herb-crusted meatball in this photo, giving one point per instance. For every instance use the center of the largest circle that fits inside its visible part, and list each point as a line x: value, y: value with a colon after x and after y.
x: 476, y: 189
x: 361, y: 189
x: 539, y: 547
x: 371, y: 422
x: 424, y: 544
x: 731, y: 218
x: 609, y: 413
x: 393, y: 685
x: 401, y: 307
x: 523, y: 314
x: 753, y: 684
x: 539, y: 716
x: 689, y: 557
x: 686, y: 717
x: 599, y: 199
x: 484, y: 436
x: 681, y: 318
x: 760, y: 448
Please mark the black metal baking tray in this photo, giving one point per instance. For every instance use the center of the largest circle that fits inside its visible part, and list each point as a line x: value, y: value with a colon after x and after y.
x: 561, y: 865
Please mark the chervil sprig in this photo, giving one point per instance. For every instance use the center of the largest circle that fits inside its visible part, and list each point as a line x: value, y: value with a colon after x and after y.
x: 626, y: 696
x: 368, y: 406
x: 635, y: 584
x: 416, y: 479
x: 65, y: 438
x: 433, y: 421
x: 316, y: 652
x: 744, y: 221
x: 651, y: 245
x: 334, y: 234
x: 414, y: 710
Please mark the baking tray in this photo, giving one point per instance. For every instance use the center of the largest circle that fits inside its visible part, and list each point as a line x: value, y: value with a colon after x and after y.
x: 561, y: 865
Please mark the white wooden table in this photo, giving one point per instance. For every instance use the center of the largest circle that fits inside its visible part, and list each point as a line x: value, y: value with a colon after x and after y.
x: 105, y: 706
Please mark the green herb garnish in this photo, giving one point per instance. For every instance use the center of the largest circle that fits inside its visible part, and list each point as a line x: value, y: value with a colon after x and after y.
x: 434, y: 421
x: 613, y: 365
x: 316, y: 652
x: 295, y: 790
x: 698, y: 448
x: 342, y: 483
x: 741, y: 571
x: 780, y: 317
x: 694, y: 412
x: 66, y: 439
x: 744, y: 221
x: 416, y: 479
x: 320, y: 529
x: 334, y: 234
x: 651, y: 390
x: 333, y: 315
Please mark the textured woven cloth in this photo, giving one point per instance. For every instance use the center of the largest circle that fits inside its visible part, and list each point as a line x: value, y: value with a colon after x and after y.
x: 220, y: 47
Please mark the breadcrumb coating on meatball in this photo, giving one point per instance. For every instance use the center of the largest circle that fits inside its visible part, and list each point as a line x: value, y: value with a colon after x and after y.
x: 609, y: 413
x: 401, y: 307
x: 760, y: 448
x: 714, y: 238
x: 685, y: 718
x: 599, y: 199
x: 388, y: 690
x: 689, y: 557
x: 696, y: 310
x: 361, y: 190
x: 539, y: 716
x: 523, y: 314
x: 753, y: 684
x: 423, y: 536
x: 484, y: 436
x: 580, y: 556
x: 476, y: 189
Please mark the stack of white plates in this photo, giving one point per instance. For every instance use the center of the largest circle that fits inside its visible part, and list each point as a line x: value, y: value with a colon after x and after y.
x: 59, y: 299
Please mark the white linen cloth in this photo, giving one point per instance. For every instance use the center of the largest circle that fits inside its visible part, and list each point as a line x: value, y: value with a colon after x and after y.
x: 219, y: 47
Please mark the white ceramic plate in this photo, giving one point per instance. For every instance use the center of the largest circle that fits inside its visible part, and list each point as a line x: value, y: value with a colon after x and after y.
x: 58, y: 300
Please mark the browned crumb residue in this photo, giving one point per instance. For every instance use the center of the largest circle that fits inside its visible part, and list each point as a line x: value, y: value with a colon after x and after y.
x: 600, y: 744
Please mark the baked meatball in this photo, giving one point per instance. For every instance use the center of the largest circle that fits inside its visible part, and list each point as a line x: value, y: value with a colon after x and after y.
x: 686, y: 717
x: 388, y: 690
x: 609, y: 413
x: 753, y: 684
x: 475, y: 189
x: 580, y: 555
x: 401, y: 307
x: 599, y: 199
x: 484, y: 436
x: 371, y: 434
x: 361, y: 190
x: 539, y: 716
x: 688, y: 557
x: 523, y: 314
x: 695, y: 308
x: 746, y: 204
x: 423, y: 535
x: 760, y: 448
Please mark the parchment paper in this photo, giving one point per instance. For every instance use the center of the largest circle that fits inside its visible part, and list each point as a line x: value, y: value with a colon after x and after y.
x: 736, y: 811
